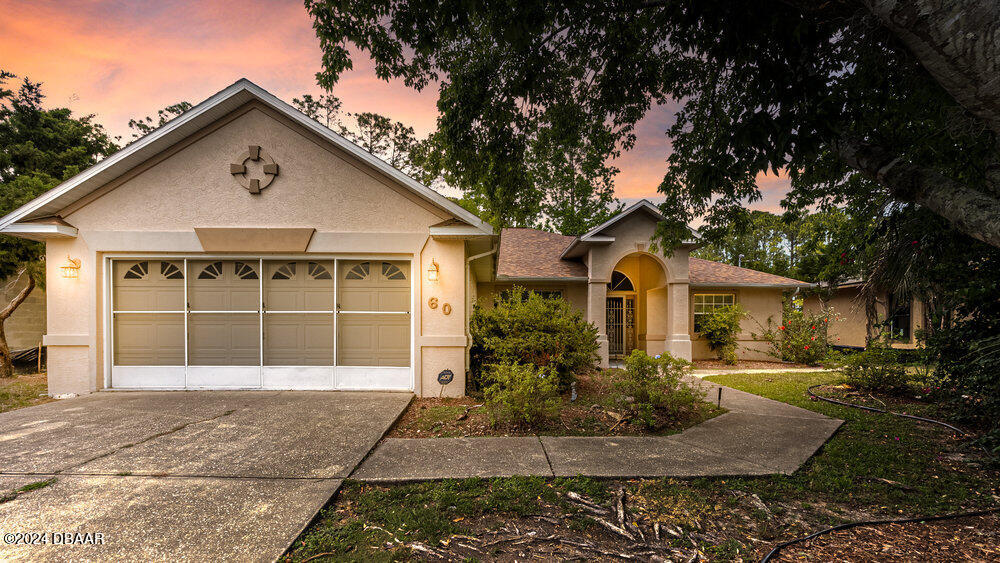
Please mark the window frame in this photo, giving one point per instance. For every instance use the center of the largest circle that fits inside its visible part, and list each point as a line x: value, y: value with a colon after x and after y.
x: 896, y: 311
x: 694, y: 304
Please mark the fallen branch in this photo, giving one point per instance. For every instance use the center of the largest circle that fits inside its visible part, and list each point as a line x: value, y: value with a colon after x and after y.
x: 618, y: 530
x: 465, y: 414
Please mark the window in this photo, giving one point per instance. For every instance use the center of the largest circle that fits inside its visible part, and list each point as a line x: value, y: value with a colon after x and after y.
x: 319, y: 272
x: 244, y: 271
x: 359, y: 272
x: 620, y: 282
x: 706, y: 303
x: 285, y: 272
x: 899, y: 316
x: 171, y: 271
x: 544, y: 293
x: 211, y: 272
x: 392, y: 272
x: 138, y: 271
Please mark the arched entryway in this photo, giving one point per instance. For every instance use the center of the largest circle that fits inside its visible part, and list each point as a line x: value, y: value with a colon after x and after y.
x: 636, y: 306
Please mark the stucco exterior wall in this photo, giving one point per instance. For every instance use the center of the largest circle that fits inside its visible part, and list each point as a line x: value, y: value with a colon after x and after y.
x: 155, y: 208
x: 24, y: 329
x: 442, y: 337
x: 848, y: 324
x: 760, y: 303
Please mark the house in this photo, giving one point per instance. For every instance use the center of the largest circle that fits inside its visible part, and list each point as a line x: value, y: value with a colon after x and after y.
x: 244, y: 245
x: 902, y: 317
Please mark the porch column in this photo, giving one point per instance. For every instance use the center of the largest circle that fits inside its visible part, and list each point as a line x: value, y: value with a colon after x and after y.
x: 597, y: 294
x: 678, y: 321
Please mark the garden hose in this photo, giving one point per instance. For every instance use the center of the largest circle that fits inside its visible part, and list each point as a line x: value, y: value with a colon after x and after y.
x: 850, y: 525
x: 883, y: 411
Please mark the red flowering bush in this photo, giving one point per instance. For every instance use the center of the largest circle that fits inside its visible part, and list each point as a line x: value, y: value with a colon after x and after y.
x: 801, y: 337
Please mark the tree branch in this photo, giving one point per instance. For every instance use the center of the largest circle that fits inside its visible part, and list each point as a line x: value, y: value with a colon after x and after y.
x: 957, y: 42
x: 971, y: 211
x: 16, y: 302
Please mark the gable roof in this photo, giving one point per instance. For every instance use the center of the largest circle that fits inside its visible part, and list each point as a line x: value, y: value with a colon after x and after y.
x: 708, y: 273
x: 594, y: 236
x: 242, y: 91
x: 530, y: 253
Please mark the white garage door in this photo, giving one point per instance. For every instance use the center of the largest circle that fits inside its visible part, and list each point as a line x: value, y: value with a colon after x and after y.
x: 254, y: 323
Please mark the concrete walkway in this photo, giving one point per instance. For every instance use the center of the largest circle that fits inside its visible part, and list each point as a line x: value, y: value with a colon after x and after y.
x: 170, y: 476
x: 757, y: 436
x: 707, y: 372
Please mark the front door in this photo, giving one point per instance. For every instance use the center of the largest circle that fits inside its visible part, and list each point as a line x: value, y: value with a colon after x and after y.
x: 620, y: 325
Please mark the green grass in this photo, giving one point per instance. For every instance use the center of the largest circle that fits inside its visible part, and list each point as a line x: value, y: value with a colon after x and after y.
x: 19, y: 392
x: 367, y: 516
x: 868, y: 447
x: 923, y: 470
x: 36, y: 485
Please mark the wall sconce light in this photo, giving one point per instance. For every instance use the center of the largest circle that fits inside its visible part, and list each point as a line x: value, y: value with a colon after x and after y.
x: 71, y: 269
x: 432, y: 272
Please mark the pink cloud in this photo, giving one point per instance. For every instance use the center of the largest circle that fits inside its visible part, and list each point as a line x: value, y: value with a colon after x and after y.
x: 121, y: 60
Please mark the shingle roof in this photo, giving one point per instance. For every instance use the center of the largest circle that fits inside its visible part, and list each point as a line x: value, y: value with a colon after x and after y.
x: 707, y: 272
x: 530, y: 253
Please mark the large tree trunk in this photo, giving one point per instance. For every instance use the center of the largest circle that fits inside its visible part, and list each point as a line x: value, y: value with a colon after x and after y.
x: 957, y: 41
x: 6, y: 361
x: 972, y: 212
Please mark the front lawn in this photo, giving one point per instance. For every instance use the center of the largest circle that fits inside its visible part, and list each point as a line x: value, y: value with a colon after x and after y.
x: 593, y: 413
x: 875, y: 466
x: 23, y: 391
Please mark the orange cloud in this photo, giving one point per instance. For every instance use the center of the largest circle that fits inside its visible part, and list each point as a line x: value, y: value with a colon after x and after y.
x: 122, y: 60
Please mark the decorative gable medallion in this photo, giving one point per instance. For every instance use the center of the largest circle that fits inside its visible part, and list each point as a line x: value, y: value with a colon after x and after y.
x: 240, y: 171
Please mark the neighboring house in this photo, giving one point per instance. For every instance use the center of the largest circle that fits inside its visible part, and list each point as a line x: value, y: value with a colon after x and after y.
x: 244, y: 245
x: 899, y: 316
x: 23, y: 329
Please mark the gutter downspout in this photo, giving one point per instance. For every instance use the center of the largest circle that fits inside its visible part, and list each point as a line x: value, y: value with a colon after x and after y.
x: 468, y: 304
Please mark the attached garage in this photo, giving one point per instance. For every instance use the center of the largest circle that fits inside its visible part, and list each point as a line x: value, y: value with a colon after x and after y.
x: 256, y: 323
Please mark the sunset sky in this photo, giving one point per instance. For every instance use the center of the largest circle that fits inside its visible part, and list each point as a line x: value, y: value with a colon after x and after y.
x: 122, y: 59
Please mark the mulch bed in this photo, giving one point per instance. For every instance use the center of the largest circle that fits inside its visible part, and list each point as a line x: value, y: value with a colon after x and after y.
x: 587, y: 416
x: 963, y: 539
x: 745, y: 365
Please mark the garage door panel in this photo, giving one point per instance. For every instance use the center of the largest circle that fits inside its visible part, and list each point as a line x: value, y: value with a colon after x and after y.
x: 148, y: 285
x: 223, y: 339
x: 298, y: 340
x: 299, y: 285
x: 149, y: 339
x: 224, y: 285
x: 373, y: 340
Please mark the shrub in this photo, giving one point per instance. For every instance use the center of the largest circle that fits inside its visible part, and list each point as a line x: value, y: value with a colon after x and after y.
x: 802, y: 337
x: 652, y: 388
x: 877, y: 368
x: 521, y: 394
x: 526, y: 328
x: 721, y: 328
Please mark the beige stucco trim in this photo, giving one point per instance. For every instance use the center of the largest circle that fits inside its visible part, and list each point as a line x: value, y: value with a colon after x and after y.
x: 443, y: 341
x: 277, y: 116
x: 254, y: 239
x: 66, y: 340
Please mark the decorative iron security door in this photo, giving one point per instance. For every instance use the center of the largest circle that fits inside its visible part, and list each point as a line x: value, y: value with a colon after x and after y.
x: 620, y: 325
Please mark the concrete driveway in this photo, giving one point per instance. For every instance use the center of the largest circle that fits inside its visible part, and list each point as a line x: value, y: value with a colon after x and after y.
x: 198, y: 475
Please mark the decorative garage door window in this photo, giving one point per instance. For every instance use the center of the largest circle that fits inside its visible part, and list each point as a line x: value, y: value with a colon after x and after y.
x: 214, y: 323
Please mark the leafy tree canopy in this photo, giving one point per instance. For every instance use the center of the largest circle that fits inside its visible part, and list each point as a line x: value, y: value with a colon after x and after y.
x: 39, y: 148
x: 856, y: 100
x: 145, y: 125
